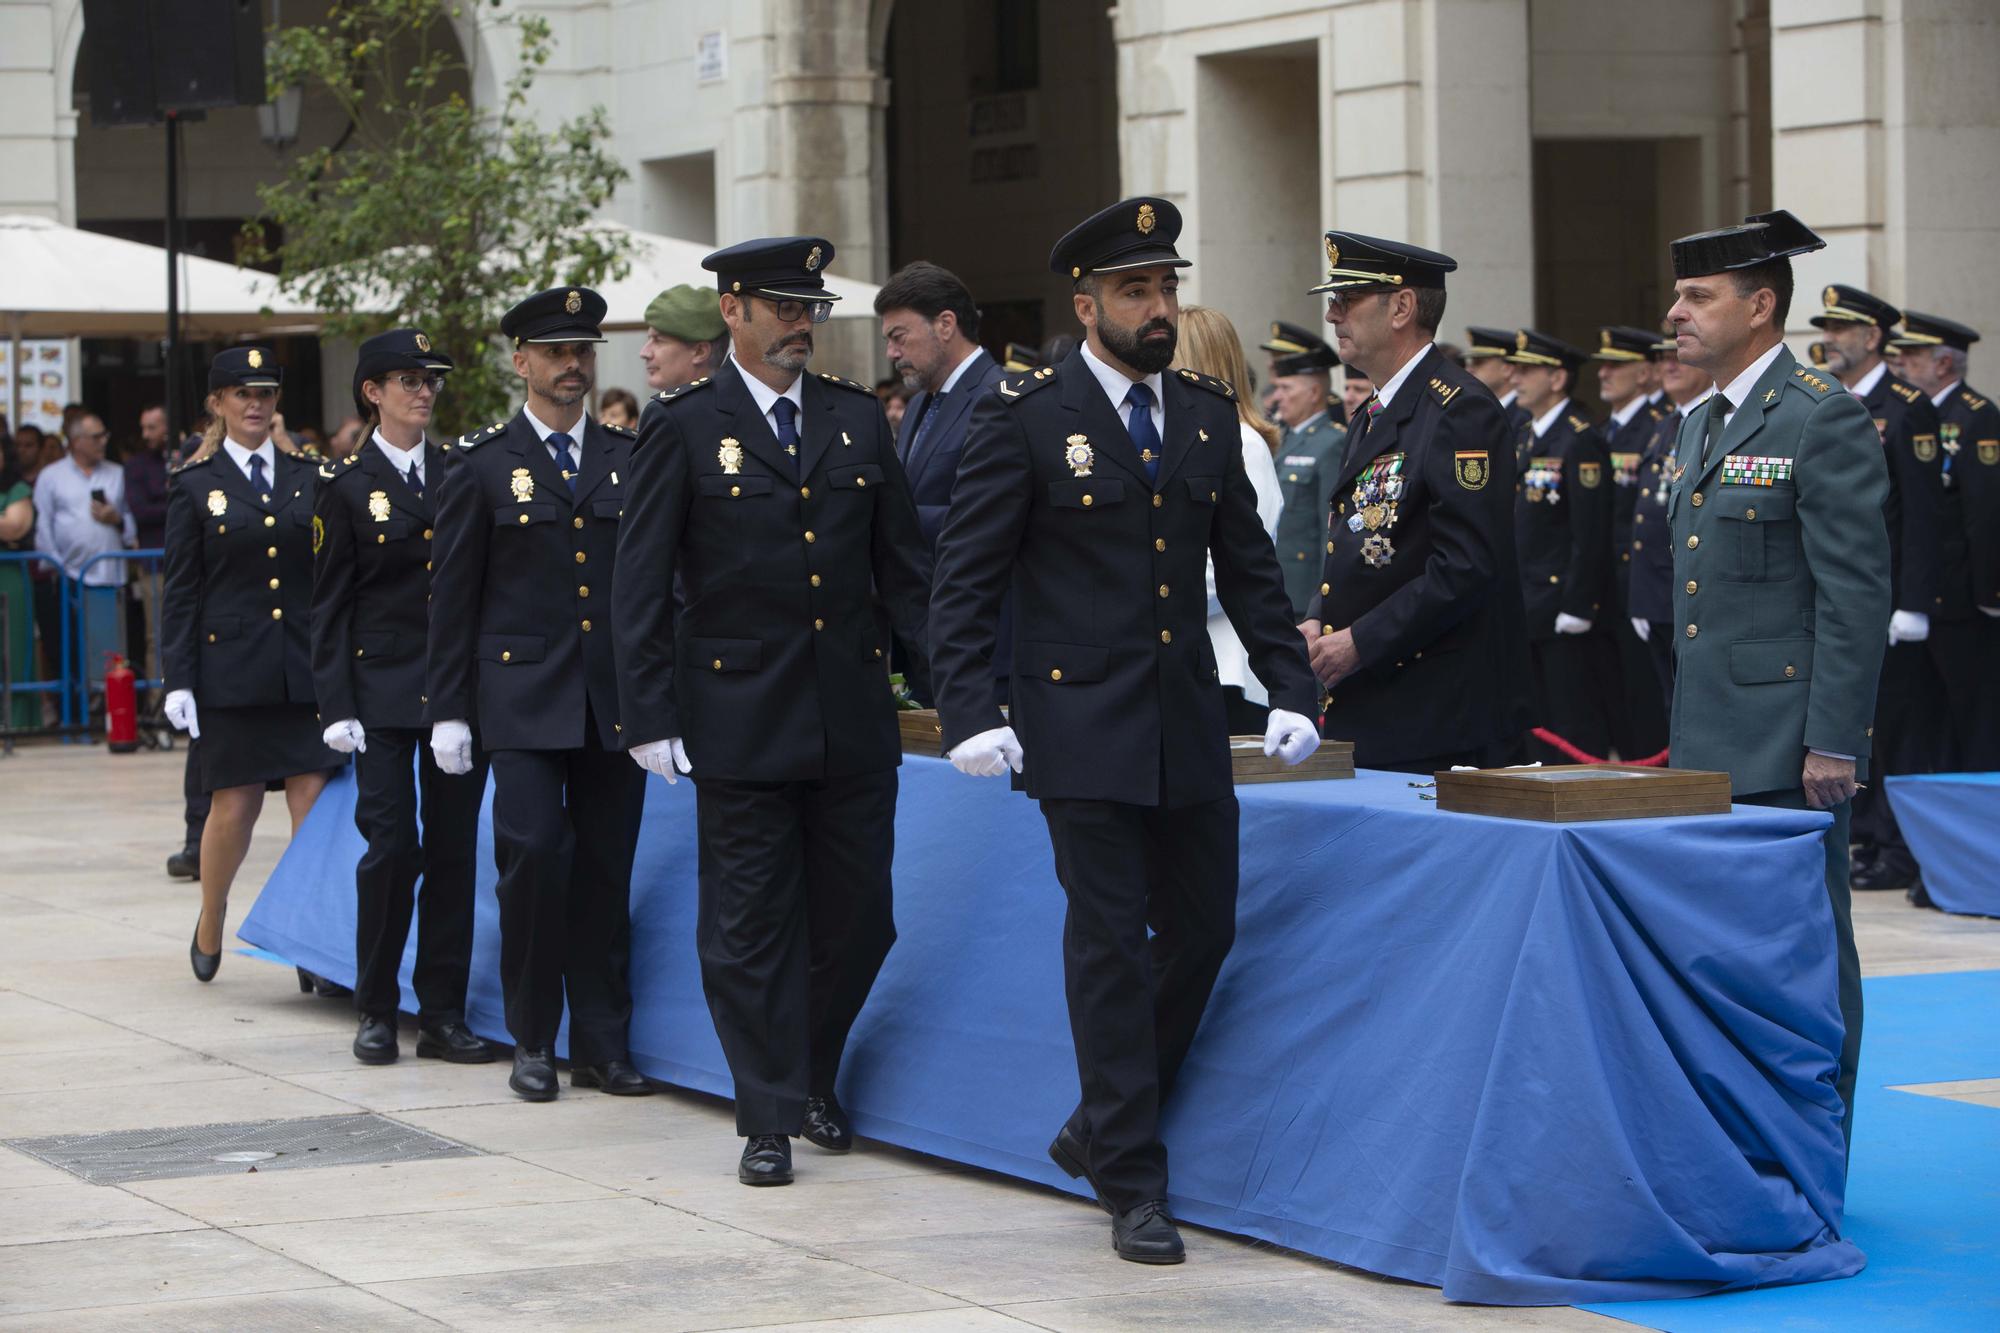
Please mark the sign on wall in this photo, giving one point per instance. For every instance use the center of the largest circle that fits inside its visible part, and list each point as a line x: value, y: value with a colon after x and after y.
x: 44, y: 379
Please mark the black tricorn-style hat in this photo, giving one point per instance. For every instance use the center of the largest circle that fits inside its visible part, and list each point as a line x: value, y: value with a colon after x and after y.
x: 1132, y: 233
x: 1851, y: 305
x: 778, y: 267
x: 1484, y: 341
x: 245, y: 368
x: 1354, y: 260
x: 1921, y: 330
x: 1623, y: 342
x: 386, y: 353
x: 1758, y: 239
x: 1535, y: 348
x: 558, y: 315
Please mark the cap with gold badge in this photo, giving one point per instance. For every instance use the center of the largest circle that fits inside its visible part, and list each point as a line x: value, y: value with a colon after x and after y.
x: 1316, y: 355
x: 245, y: 368
x: 558, y: 315
x: 1623, y: 342
x: 1484, y: 342
x: 1851, y: 305
x: 1132, y: 233
x: 778, y: 268
x: 1532, y: 347
x: 1355, y: 262
x: 1290, y: 340
x: 1921, y: 330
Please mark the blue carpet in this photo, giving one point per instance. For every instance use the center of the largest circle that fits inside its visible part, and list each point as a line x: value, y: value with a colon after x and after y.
x: 1923, y: 1197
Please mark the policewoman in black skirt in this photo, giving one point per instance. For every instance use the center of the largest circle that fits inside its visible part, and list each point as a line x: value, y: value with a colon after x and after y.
x: 370, y: 628
x: 235, y: 607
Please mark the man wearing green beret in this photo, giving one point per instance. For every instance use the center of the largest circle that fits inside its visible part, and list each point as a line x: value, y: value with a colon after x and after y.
x: 685, y: 337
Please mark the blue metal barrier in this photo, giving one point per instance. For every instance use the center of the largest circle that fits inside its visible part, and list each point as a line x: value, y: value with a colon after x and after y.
x: 72, y: 683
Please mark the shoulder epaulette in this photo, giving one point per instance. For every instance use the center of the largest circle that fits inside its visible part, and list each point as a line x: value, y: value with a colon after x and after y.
x: 481, y: 436
x: 1909, y: 393
x: 1210, y: 383
x: 345, y: 467
x: 1445, y: 392
x: 1010, y: 389
x: 1803, y: 375
x: 668, y: 395
x: 1971, y: 399
x: 625, y: 431
x: 1654, y: 411
x: 856, y: 385
x: 1578, y: 423
x: 197, y: 461
x: 326, y: 472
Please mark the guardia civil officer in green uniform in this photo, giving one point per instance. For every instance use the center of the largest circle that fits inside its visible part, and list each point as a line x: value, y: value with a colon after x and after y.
x: 1097, y: 489
x: 1309, y: 456
x: 1909, y: 722
x: 1781, y: 578
x: 1416, y: 627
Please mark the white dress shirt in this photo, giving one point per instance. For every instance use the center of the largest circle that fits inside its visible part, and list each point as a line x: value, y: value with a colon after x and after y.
x: 401, y: 459
x: 1116, y: 385
x: 1388, y: 390
x: 1627, y: 412
x: 1739, y: 388
x: 1548, y: 418
x: 1938, y: 398
x: 242, y: 456
x: 543, y: 430
x: 767, y: 398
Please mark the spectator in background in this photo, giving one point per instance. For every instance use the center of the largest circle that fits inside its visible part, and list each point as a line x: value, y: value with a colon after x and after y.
x: 686, y: 339
x: 146, y: 502
x: 617, y: 407
x: 346, y: 438
x: 17, y: 526
x: 895, y: 401
x: 79, y: 515
x: 29, y: 446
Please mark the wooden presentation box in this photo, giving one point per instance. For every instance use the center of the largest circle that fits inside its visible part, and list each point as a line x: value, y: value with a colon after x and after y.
x: 1567, y: 793
x: 922, y: 733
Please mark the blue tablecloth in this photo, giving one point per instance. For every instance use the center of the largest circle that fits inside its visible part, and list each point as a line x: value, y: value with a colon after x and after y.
x: 1529, y: 1064
x: 1952, y: 823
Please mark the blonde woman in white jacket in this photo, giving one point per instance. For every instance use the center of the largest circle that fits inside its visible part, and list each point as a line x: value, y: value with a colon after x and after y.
x: 1209, y: 345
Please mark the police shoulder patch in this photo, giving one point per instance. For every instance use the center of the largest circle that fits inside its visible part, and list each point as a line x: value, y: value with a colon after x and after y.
x: 199, y: 460
x: 326, y: 472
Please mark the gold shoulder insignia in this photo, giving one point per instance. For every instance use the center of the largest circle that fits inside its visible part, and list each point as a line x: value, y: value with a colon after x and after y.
x: 198, y: 460
x: 626, y: 431
x: 1578, y: 423
x: 1445, y: 392
x: 1021, y: 388
x: 1909, y: 393
x: 668, y: 395
x: 1813, y: 381
x: 1971, y: 399
x: 481, y: 435
x: 848, y: 384
x: 1215, y: 386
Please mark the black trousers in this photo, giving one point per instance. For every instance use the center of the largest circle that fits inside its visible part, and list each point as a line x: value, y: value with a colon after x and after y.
x: 1908, y: 705
x: 1639, y: 722
x: 390, y: 777
x: 796, y: 914
x: 565, y: 826
x: 1660, y: 651
x: 1966, y: 657
x: 1134, y: 1002
x: 1573, y: 674
x: 195, y: 801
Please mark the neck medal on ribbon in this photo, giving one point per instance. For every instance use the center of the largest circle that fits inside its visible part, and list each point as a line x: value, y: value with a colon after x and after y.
x: 1377, y: 492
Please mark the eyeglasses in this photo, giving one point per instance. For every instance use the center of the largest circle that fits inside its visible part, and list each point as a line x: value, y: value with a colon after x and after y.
x: 412, y: 383
x: 791, y: 311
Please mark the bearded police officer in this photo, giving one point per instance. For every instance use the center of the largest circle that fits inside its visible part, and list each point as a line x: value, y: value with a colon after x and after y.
x: 1907, y: 722
x: 777, y: 497
x: 1416, y: 628
x: 1781, y: 578
x: 1309, y: 456
x: 521, y: 643
x: 1095, y: 488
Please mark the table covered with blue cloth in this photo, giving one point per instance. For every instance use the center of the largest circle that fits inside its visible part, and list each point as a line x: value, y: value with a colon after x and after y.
x: 1951, y: 822
x: 1526, y: 1063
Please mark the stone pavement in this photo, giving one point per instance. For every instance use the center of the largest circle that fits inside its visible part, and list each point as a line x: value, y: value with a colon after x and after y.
x: 590, y: 1211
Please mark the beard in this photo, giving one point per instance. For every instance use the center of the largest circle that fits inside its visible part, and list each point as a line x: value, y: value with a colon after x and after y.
x: 790, y: 353
x: 565, y: 390
x: 1132, y: 347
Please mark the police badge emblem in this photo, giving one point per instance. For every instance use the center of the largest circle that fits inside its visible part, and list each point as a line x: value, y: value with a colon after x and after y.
x: 573, y: 303
x: 256, y: 358
x: 423, y: 343
x: 1469, y: 467
x: 812, y: 259
x: 1589, y: 474
x: 1926, y: 448
x: 1146, y: 220
x: 378, y: 506
x: 1989, y: 452
x: 1079, y: 455
x: 522, y: 485
x: 1830, y: 297
x: 218, y: 503
x: 730, y: 455
x: 1332, y: 255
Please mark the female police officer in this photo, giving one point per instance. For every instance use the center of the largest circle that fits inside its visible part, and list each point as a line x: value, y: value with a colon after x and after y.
x: 370, y: 626
x: 238, y: 571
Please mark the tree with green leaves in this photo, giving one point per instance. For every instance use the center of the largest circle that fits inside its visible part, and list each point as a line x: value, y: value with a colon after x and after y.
x: 428, y: 210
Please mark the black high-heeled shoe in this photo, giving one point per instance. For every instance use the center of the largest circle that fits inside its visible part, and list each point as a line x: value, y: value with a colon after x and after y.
x: 205, y: 964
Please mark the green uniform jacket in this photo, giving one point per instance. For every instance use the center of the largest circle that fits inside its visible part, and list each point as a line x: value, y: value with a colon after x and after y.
x: 1308, y: 466
x: 1781, y: 582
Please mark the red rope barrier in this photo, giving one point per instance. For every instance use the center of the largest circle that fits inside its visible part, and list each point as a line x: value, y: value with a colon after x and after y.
x: 1576, y: 756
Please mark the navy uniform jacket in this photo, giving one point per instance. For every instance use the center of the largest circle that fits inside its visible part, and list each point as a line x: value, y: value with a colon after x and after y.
x: 521, y: 634
x: 935, y: 467
x: 371, y: 600
x: 1626, y: 447
x: 1651, y: 567
x: 1308, y: 465
x: 1438, y: 622
x: 1969, y: 434
x: 1115, y: 696
x: 1908, y: 425
x: 236, y: 589
x: 1562, y: 523
x: 776, y: 670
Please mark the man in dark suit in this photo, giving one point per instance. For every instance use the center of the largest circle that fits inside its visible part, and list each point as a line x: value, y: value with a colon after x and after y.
x: 521, y: 641
x: 1626, y: 381
x: 1096, y: 488
x: 1562, y: 530
x: 1650, y: 571
x: 777, y: 498
x: 1416, y: 627
x: 1907, y: 726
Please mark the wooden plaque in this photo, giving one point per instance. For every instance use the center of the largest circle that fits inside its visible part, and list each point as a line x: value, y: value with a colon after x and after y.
x: 922, y: 732
x: 1568, y: 793
x: 1249, y: 763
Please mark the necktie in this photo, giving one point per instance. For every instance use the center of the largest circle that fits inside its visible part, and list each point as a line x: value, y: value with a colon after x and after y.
x: 787, y: 413
x: 258, y: 481
x: 564, y: 459
x: 1718, y: 408
x: 416, y: 482
x: 923, y: 427
x: 1140, y: 425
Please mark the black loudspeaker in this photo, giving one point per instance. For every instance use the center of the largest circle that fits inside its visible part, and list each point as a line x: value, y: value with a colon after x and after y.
x: 150, y: 56
x: 118, y: 45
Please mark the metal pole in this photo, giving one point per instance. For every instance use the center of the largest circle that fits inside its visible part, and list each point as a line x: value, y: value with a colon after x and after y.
x: 14, y: 372
x: 173, y: 346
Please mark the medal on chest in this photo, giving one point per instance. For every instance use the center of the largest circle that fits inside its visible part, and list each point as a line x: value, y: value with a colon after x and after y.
x: 1377, y: 496
x: 522, y: 485
x: 1542, y: 482
x: 218, y: 503
x: 378, y: 506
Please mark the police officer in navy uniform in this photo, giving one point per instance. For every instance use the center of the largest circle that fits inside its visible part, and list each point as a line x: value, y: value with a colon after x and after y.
x: 1416, y: 627
x: 1626, y: 382
x: 1095, y: 489
x: 1650, y: 569
x: 777, y: 497
x: 1308, y: 460
x: 1908, y: 727
x: 1562, y: 529
x: 373, y: 526
x: 1965, y: 628
x: 521, y: 644
x: 1486, y: 353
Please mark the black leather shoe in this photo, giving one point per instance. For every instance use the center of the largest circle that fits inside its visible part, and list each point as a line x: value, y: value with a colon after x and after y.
x: 827, y: 1125
x: 1920, y: 896
x: 328, y: 989
x: 767, y: 1160
x: 453, y: 1042
x: 1069, y: 1153
x: 1147, y: 1235
x: 616, y: 1077
x: 1880, y: 876
x: 534, y: 1076
x: 205, y: 964
x: 375, y: 1042
x: 185, y: 864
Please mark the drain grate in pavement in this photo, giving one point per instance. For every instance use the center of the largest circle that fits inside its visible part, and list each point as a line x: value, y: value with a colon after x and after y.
x: 264, y: 1145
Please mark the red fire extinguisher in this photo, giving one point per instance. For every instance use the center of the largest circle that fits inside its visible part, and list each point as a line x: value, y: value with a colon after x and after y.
x: 121, y: 707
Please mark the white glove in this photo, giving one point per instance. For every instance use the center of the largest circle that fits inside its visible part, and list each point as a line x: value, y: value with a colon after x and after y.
x: 1993, y: 611
x: 451, y: 746
x: 345, y: 736
x: 180, y: 712
x: 987, y: 755
x: 1569, y: 624
x: 1642, y: 628
x: 1909, y: 627
x: 1290, y: 737
x: 662, y: 757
